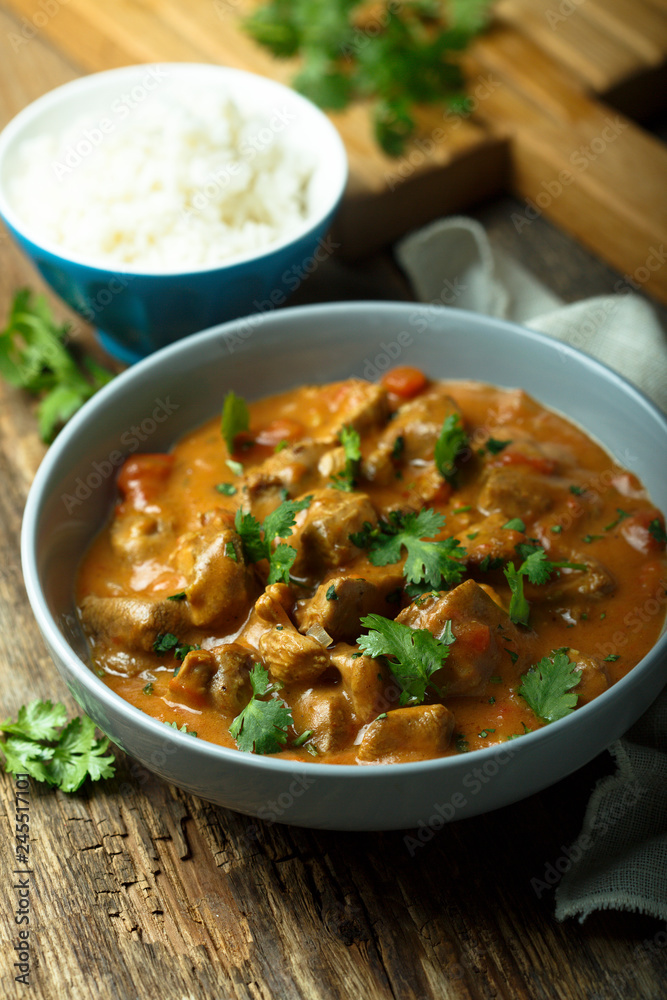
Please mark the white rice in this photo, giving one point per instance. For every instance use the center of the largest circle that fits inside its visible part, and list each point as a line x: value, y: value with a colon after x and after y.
x: 178, y: 184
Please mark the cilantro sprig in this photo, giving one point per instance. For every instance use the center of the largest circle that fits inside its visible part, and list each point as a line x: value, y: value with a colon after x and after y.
x: 538, y: 569
x: 235, y: 419
x: 397, y: 55
x: 452, y: 441
x: 547, y: 686
x: 43, y: 744
x: 431, y: 564
x: 262, y: 725
x: 347, y: 479
x: 415, y: 654
x: 35, y: 355
x: 257, y: 538
x: 167, y: 642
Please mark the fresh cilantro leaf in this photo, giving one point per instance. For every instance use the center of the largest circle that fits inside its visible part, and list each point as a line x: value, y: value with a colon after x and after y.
x: 612, y: 658
x: 181, y: 729
x: 280, y: 522
x: 494, y: 447
x: 235, y: 419
x: 235, y: 467
x: 547, y: 687
x: 230, y: 552
x: 43, y: 744
x: 657, y: 531
x: 227, y: 489
x: 331, y: 594
x: 591, y: 538
x: 461, y: 743
x: 417, y: 654
x: 250, y: 531
x: 398, y: 448
x: 166, y: 642
x: 621, y: 516
x: 519, y: 609
x: 262, y: 725
x: 433, y: 564
x: 35, y: 356
x: 347, y: 479
x: 452, y: 441
x: 181, y: 596
x: 147, y: 688
x: 490, y: 563
x: 578, y: 491
x: 515, y: 524
x: 280, y: 563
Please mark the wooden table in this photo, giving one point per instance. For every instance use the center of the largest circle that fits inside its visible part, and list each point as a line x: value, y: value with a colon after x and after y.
x: 140, y: 890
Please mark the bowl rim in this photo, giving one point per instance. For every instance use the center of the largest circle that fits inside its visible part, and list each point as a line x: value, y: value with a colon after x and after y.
x: 334, y: 152
x: 225, y: 755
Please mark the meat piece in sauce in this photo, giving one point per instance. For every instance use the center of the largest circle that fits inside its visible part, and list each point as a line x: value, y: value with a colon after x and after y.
x: 491, y: 540
x: 416, y: 426
x: 131, y: 623
x: 342, y: 600
x: 483, y: 632
x: 568, y: 584
x: 416, y: 733
x: 290, y: 656
x: 358, y: 404
x: 138, y: 535
x: 326, y: 711
x: 220, y: 586
x: 219, y: 677
x: 322, y: 538
x: 294, y: 469
x: 594, y: 676
x: 365, y: 681
x: 514, y: 492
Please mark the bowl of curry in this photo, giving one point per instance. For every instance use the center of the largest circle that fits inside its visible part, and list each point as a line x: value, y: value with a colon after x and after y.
x: 357, y: 566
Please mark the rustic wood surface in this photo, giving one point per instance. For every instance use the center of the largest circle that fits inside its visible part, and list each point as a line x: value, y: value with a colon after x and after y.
x: 139, y: 890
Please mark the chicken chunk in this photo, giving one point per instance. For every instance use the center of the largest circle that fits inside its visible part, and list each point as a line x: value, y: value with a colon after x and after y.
x: 567, y: 584
x: 326, y: 711
x: 221, y: 588
x: 411, y: 435
x: 482, y: 631
x: 341, y: 601
x: 130, y: 622
x: 358, y: 404
x: 294, y: 469
x: 366, y: 682
x: 594, y: 676
x: 417, y: 733
x: 488, y: 539
x: 513, y: 492
x: 138, y: 535
x: 322, y: 539
x: 218, y: 677
x: 290, y: 656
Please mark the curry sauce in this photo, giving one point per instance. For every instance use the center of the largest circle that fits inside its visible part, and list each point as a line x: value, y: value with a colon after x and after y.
x: 520, y: 487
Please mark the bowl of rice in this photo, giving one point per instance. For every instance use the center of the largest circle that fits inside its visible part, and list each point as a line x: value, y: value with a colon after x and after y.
x: 158, y: 200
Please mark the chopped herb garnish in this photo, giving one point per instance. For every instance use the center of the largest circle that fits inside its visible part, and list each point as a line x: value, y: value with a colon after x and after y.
x: 303, y: 738
x: 181, y: 596
x: 515, y: 524
x: 485, y: 732
x: 556, y: 528
x: 513, y: 656
x: 235, y: 419
x: 612, y: 658
x: 462, y: 510
x: 383, y: 716
x: 603, y: 615
x: 279, y: 628
x: 262, y: 725
x: 235, y: 467
x: 577, y: 490
x: 181, y: 729
x: 621, y: 516
x: 452, y: 441
x: 492, y: 700
x: 461, y: 743
x: 473, y: 535
x: 227, y: 489
x: 281, y: 446
x: 657, y: 531
x: 538, y: 569
x: 415, y: 654
x: 347, y: 479
x: 331, y: 593
x: 591, y: 538
x: 147, y: 688
x: 430, y: 563
x: 398, y: 449
x: 257, y: 538
x: 230, y: 551
x: 547, y: 687
x: 494, y: 447
x: 488, y: 563
x: 167, y: 642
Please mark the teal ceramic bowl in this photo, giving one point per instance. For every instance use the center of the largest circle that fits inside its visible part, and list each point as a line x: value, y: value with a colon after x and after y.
x: 152, y: 404
x: 137, y: 311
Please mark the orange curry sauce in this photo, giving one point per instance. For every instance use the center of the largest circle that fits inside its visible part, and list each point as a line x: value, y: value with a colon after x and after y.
x: 522, y: 462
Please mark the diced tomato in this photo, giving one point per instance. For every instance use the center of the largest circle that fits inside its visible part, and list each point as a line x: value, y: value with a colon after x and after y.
x: 404, y: 381
x: 645, y: 531
x: 142, y: 478
x: 280, y: 430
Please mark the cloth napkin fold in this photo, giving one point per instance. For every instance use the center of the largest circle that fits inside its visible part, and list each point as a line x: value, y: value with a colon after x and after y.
x: 619, y: 861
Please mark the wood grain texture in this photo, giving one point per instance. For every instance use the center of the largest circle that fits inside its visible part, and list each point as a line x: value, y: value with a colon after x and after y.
x: 142, y: 891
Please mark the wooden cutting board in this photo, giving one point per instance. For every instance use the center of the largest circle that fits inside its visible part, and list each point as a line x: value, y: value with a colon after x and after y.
x: 540, y: 125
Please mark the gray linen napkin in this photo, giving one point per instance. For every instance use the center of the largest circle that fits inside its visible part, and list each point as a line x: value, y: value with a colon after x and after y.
x: 619, y: 861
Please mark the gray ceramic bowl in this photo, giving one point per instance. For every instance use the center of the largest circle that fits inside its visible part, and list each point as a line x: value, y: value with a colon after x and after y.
x: 154, y: 403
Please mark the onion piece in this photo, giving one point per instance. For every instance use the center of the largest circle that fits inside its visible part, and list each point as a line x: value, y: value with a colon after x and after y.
x: 320, y: 635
